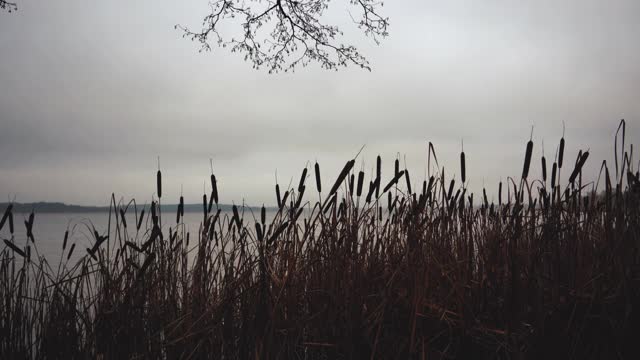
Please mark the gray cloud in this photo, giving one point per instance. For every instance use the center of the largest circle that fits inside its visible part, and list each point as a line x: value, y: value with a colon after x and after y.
x: 92, y: 93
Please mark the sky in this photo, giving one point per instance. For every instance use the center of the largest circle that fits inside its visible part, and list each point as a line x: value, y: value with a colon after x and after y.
x: 92, y: 93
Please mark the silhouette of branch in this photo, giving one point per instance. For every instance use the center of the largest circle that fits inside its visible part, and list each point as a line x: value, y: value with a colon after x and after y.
x: 297, y: 35
x: 9, y: 6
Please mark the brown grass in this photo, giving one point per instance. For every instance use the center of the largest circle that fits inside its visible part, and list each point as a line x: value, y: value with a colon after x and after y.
x: 420, y: 275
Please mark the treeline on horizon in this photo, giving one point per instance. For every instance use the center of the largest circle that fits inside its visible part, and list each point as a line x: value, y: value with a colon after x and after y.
x: 378, y: 268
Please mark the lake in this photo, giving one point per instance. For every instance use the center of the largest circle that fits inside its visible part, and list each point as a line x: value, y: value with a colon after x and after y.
x: 49, y: 229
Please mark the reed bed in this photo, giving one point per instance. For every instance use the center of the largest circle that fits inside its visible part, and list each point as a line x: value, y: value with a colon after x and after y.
x: 374, y: 269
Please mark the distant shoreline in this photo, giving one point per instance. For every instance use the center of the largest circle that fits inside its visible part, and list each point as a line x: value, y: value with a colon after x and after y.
x: 62, y: 208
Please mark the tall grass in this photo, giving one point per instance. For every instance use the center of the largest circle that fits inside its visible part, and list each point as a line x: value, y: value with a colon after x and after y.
x: 550, y: 271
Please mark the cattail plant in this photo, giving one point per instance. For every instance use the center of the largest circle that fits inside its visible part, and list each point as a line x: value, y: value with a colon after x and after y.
x: 463, y: 166
x: 64, y: 241
x: 5, y: 216
x: 430, y: 275
x: 278, y: 196
x: 159, y: 180
x: 318, y: 181
x: 360, y: 183
x: 527, y: 158
x: 343, y: 174
x: 578, y: 168
x: 561, y: 153
x: 303, y: 177
x: 544, y: 167
x: 140, y: 219
x: 378, y: 180
x: 408, y: 179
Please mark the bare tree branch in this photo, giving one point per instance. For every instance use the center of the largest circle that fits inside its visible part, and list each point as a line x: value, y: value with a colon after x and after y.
x: 9, y: 6
x: 297, y: 35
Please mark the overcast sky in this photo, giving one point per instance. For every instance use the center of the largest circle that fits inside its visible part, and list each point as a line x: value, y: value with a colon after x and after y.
x: 92, y: 92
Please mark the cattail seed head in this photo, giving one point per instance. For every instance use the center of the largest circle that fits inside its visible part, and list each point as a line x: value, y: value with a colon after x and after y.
x: 159, y: 183
x: 463, y: 169
x: 342, y: 176
x: 378, y: 174
x: 278, y: 196
x: 527, y: 159
x: 318, y: 182
x: 578, y: 167
x: 393, y: 181
x: 214, y: 188
x: 351, y: 182
x: 236, y: 217
x: 123, y: 218
x: 140, y: 219
x: 259, y: 233
x: 204, y: 205
x: 73, y: 246
x: 5, y: 216
x: 484, y: 196
x: 372, y: 188
x: 64, y: 242
x: 302, y: 179
x: 561, y: 153
x: 360, y: 183
x: 408, y: 179
x: 179, y: 210
x: 14, y: 247
x: 30, y: 220
x: 432, y: 179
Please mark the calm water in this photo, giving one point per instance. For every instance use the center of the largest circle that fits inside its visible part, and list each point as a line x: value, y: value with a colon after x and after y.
x: 49, y: 229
